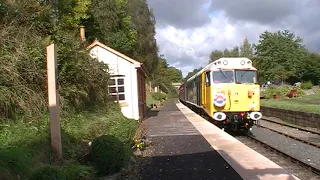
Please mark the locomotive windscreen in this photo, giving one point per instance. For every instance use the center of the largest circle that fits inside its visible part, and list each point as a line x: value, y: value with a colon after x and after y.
x: 238, y: 76
x: 246, y: 76
x: 223, y: 76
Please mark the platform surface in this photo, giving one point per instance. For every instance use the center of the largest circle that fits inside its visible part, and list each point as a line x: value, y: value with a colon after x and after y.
x: 248, y: 163
x: 186, y: 146
x: 180, y: 152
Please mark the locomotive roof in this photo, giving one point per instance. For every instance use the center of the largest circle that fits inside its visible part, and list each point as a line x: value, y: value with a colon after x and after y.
x: 227, y: 63
x: 231, y: 63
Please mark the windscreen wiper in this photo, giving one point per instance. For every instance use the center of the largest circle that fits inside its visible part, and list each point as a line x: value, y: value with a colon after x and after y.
x: 223, y: 73
x: 244, y: 73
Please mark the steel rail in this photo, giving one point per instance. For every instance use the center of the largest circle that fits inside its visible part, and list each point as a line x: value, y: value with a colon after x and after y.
x: 296, y: 160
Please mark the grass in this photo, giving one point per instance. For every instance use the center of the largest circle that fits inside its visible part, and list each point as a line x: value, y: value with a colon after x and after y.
x: 306, y: 103
x: 25, y: 145
x: 149, y: 99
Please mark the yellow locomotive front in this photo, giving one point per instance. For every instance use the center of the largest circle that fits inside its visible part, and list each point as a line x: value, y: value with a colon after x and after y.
x: 232, y: 93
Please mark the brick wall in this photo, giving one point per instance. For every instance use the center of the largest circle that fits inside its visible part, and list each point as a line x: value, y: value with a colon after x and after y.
x: 295, y: 117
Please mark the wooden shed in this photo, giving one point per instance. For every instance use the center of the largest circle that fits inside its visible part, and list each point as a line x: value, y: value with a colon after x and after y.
x: 127, y: 79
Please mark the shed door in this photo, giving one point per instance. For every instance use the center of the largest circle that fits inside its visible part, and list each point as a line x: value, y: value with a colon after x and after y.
x: 141, y: 95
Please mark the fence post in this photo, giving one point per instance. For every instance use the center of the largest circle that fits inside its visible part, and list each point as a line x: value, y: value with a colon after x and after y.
x: 53, y: 100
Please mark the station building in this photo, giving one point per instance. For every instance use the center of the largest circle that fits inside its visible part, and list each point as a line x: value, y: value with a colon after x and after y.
x: 128, y: 86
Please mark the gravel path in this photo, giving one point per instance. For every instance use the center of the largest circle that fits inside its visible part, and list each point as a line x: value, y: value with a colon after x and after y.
x: 179, y: 151
x: 310, y: 137
x: 306, y: 153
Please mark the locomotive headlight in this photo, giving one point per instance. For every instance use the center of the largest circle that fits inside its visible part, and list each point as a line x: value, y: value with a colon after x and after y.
x: 242, y: 62
x: 225, y: 62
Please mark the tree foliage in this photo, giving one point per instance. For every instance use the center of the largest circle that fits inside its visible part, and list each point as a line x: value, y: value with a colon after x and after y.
x: 190, y: 74
x: 27, y: 27
x: 166, y: 75
x: 278, y: 56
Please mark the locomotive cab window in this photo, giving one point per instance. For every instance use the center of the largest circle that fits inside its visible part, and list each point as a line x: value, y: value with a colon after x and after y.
x: 223, y: 76
x: 246, y: 76
x: 208, y: 79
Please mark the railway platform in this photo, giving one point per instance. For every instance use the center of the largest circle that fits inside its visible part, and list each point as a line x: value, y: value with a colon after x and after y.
x: 186, y: 146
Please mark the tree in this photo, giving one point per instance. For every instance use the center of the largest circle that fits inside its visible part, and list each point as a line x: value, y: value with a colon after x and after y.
x: 310, y: 68
x: 190, y: 74
x: 216, y: 54
x: 145, y: 50
x: 110, y: 23
x: 246, y: 49
x: 279, y: 52
x: 234, y: 52
x: 175, y: 75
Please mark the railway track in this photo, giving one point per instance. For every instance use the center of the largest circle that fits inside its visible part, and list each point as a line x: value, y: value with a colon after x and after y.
x: 293, y: 159
x: 292, y: 126
x: 291, y: 136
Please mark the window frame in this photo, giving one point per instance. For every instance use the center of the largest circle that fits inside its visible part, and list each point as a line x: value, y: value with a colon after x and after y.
x: 239, y: 70
x: 116, y: 85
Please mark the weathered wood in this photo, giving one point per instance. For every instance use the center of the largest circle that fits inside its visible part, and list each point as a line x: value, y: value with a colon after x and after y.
x: 53, y: 99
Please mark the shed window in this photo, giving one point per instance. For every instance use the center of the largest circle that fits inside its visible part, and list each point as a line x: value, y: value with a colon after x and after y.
x: 117, y: 89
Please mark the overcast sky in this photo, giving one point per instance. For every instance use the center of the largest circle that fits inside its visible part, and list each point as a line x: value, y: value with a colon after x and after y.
x: 188, y: 30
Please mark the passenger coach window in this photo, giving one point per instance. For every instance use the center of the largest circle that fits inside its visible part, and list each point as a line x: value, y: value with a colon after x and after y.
x: 223, y: 76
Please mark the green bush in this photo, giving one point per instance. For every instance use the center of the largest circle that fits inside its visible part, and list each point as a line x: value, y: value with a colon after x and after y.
x: 47, y: 173
x: 159, y: 96
x: 108, y: 154
x: 282, y: 90
x: 78, y: 172
x: 272, y: 90
x: 306, y: 85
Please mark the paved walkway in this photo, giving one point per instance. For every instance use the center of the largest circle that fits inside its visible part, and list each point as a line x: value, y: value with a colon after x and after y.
x: 179, y: 151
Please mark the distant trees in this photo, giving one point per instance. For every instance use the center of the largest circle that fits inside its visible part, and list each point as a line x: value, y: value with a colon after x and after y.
x: 190, y: 74
x: 244, y: 50
x: 279, y: 56
x: 166, y: 75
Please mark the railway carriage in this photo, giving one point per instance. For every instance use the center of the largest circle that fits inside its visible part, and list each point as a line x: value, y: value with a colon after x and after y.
x: 227, y: 91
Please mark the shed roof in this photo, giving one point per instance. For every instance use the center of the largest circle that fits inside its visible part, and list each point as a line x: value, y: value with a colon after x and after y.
x: 135, y: 62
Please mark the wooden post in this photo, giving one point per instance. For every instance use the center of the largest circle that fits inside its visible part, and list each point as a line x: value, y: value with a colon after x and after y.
x: 53, y: 99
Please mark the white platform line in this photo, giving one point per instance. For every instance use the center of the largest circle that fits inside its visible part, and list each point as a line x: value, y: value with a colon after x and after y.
x: 247, y: 162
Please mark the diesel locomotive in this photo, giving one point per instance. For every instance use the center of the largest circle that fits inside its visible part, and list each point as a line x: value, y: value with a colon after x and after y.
x: 226, y: 91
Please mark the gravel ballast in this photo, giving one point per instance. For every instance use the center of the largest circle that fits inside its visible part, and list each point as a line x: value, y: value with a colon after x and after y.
x: 304, y: 152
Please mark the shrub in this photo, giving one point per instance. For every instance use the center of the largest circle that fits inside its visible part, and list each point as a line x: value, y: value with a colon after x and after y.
x: 78, y: 172
x: 159, y: 96
x: 306, y: 84
x: 272, y: 90
x: 108, y: 154
x: 283, y: 90
x: 47, y: 173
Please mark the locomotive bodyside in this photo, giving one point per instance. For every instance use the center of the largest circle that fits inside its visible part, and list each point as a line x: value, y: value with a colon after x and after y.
x: 227, y: 91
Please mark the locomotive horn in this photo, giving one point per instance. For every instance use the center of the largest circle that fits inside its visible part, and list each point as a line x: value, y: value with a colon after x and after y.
x: 219, y: 116
x: 255, y: 116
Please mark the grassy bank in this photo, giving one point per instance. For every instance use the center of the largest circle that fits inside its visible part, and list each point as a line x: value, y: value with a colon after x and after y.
x: 25, y: 144
x: 307, y: 103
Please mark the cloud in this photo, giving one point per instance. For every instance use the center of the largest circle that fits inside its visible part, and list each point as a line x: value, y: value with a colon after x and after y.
x: 263, y: 12
x: 188, y: 30
x: 180, y: 13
